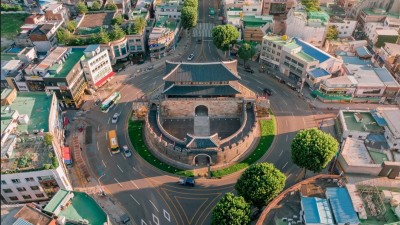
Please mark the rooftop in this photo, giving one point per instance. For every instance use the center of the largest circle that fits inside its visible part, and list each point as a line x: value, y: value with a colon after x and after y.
x: 392, y: 119
x: 5, y: 93
x: 316, y: 210
x: 97, y: 19
x: 319, y: 72
x: 355, y: 152
x: 215, y: 90
x: 367, y: 123
x: 73, y: 58
x: 342, y: 207
x: 387, y: 32
x: 316, y: 53
x: 304, y: 56
x: 256, y: 21
x: 84, y: 207
x: 33, y: 216
x: 53, y: 57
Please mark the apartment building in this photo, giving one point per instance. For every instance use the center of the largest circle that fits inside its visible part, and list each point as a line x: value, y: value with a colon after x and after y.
x: 277, y: 7
x: 43, y: 37
x: 388, y: 56
x: 163, y: 37
x: 31, y: 169
x: 169, y: 8
x: 252, y: 7
x: 308, y: 26
x: 96, y: 66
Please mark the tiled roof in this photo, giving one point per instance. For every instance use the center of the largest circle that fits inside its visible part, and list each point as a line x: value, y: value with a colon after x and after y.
x: 202, y: 142
x: 200, y: 90
x: 199, y: 72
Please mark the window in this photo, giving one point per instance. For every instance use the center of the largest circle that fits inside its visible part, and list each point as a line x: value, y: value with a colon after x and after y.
x: 132, y: 48
x: 13, y: 198
x: 7, y: 190
x: 3, y: 182
x: 254, y: 10
x: 137, y: 40
x: 40, y: 195
x: 29, y: 179
x: 130, y: 41
x: 278, y: 54
x: 287, y: 58
x: 274, y: 45
x: 139, y: 47
x: 350, y: 136
x: 34, y: 188
x: 26, y: 196
x: 279, y: 47
x: 15, y: 181
x: 20, y: 189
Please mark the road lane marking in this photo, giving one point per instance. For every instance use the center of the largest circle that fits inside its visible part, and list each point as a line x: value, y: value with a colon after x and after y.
x: 285, y: 165
x: 287, y: 136
x: 297, y: 107
x: 97, y: 146
x: 123, y: 156
x: 153, y: 205
x: 155, y: 219
x: 109, y: 152
x: 116, y: 126
x: 120, y: 169
x: 108, y: 121
x: 135, y: 169
x: 134, y: 184
x: 118, y: 182
x: 143, y: 223
x: 104, y: 164
x: 281, y: 153
x: 284, y: 101
x: 167, y: 216
x: 134, y: 199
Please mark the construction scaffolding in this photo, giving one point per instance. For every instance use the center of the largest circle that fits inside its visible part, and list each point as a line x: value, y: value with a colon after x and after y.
x: 373, y: 202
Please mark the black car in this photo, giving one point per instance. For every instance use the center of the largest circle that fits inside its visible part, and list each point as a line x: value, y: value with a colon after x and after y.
x: 187, y: 181
x: 267, y: 91
x: 249, y: 70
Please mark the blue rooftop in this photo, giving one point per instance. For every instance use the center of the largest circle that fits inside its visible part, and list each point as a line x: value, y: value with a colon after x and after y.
x: 355, y: 60
x: 378, y: 118
x: 363, y: 52
x: 341, y: 205
x: 312, y: 51
x: 386, y: 77
x: 316, y: 211
x: 318, y: 72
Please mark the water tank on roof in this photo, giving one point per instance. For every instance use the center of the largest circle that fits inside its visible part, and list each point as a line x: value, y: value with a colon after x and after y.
x: 23, y: 119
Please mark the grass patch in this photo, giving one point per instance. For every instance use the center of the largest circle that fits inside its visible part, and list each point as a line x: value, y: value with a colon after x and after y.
x: 136, y: 136
x: 11, y: 23
x: 267, y: 136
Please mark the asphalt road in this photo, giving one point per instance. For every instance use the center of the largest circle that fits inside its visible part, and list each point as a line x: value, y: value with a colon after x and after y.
x: 153, y: 197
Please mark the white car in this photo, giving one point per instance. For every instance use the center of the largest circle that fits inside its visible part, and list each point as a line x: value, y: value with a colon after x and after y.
x: 190, y: 57
x: 115, y: 118
x: 127, y: 152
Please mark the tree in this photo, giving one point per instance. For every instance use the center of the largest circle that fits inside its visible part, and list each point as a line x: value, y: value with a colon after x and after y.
x: 111, y: 6
x: 82, y: 8
x: 48, y: 139
x: 311, y: 5
x: 103, y: 37
x: 63, y: 36
x: 191, y: 3
x: 313, y: 149
x: 117, y: 33
x: 118, y: 20
x: 246, y: 51
x: 224, y: 35
x: 138, y: 25
x: 332, y: 33
x: 260, y: 183
x: 71, y: 26
x: 189, y: 17
x: 231, y: 210
x: 96, y: 6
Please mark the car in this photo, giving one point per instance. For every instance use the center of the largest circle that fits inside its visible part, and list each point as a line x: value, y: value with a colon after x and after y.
x: 150, y: 67
x: 115, y: 118
x: 268, y: 91
x: 127, y: 152
x: 249, y: 70
x: 125, y: 219
x: 190, y: 57
x: 187, y: 181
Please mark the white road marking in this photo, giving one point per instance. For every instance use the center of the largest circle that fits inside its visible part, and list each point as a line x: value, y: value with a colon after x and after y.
x: 123, y: 156
x: 116, y: 126
x: 287, y: 136
x: 284, y: 101
x: 134, y: 199
x: 118, y: 182
x: 285, y: 165
x: 155, y: 219
x: 167, y: 216
x: 134, y: 184
x: 154, y: 205
x: 297, y: 107
x: 104, y: 164
x: 143, y: 223
x: 109, y: 151
x: 281, y: 153
x: 97, y: 146
x: 108, y: 121
x: 120, y: 168
x: 135, y: 169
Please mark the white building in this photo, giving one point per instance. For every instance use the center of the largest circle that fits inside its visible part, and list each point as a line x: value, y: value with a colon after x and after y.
x: 373, y: 30
x: 169, y: 8
x: 310, y: 27
x: 392, y: 129
x: 252, y: 8
x: 31, y: 169
x: 345, y: 27
x: 96, y: 65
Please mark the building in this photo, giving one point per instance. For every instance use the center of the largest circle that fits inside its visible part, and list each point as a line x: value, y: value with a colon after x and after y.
x: 308, y: 26
x: 56, y: 12
x: 35, y: 19
x: 252, y: 8
x: 277, y: 7
x: 169, y: 8
x: 27, y: 214
x: 66, y: 79
x: 342, y: 206
x: 358, y: 124
x: 388, y: 56
x: 31, y: 169
x: 295, y: 57
x: 255, y: 27
x: 11, y: 75
x: 96, y: 66
x: 233, y: 16
x: 392, y: 128
x: 163, y: 37
x: 124, y: 6
x: 43, y: 37
x: 316, y: 211
x: 72, y: 207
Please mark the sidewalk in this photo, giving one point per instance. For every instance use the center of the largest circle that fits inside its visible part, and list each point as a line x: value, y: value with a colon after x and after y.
x: 90, y: 186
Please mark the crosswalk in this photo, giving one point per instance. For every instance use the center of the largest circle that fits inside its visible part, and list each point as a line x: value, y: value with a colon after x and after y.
x: 203, y: 30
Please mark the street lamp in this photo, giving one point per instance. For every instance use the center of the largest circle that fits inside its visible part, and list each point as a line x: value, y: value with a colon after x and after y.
x: 101, y: 188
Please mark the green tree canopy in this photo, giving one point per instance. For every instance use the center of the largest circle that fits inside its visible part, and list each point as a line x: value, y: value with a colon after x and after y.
x: 231, y: 210
x: 71, y: 26
x: 191, y: 3
x: 96, y: 6
x: 313, y: 149
x: 63, y: 35
x: 117, y: 33
x: 111, y: 6
x: 138, y: 24
x: 224, y: 35
x: 48, y: 139
x: 260, y: 183
x: 188, y: 17
x: 81, y: 7
x: 246, y: 51
x: 311, y: 5
x: 117, y: 20
x: 332, y: 33
x: 103, y: 37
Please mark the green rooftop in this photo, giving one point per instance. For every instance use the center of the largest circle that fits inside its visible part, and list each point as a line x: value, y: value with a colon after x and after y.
x: 368, y: 124
x: 374, y: 11
x: 302, y: 55
x: 83, y: 207
x: 9, y: 56
x: 164, y: 22
x: 378, y: 157
x: 56, y: 201
x: 70, y: 62
x: 256, y: 21
x: 323, y: 16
